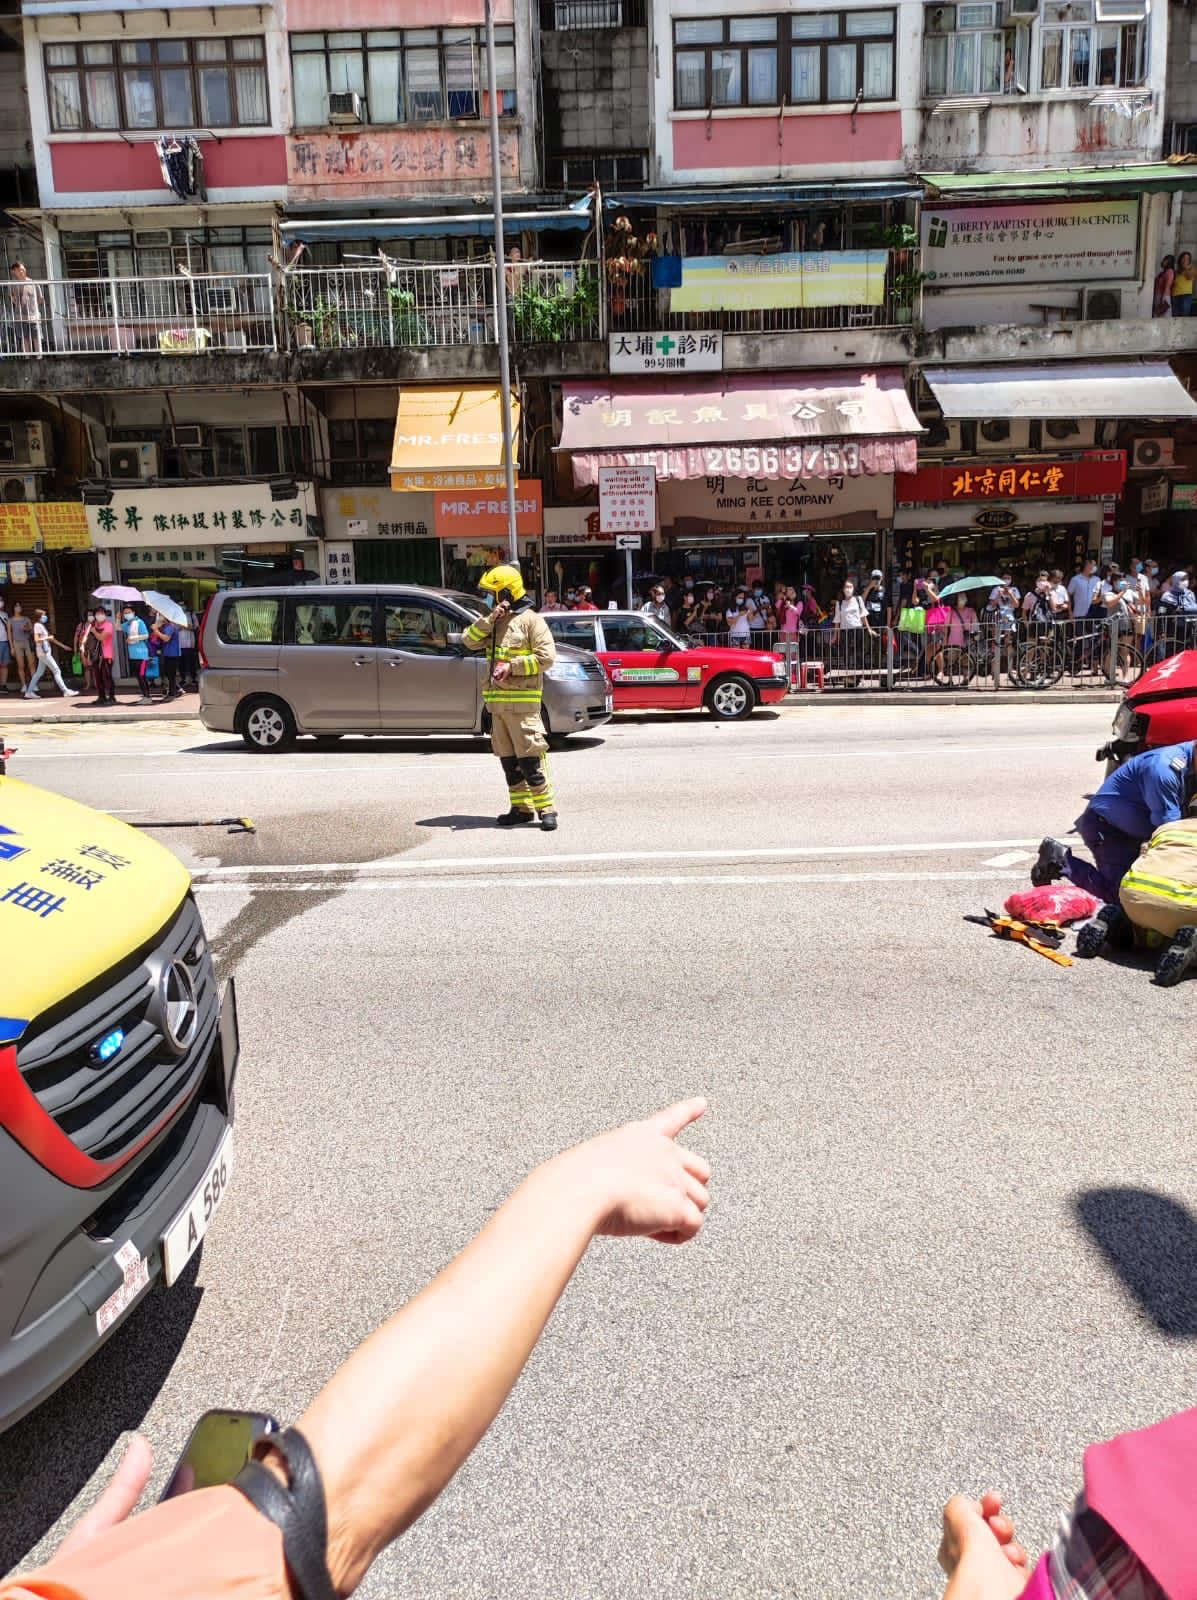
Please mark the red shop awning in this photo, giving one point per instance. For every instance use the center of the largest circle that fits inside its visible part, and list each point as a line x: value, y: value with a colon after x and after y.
x: 767, y: 425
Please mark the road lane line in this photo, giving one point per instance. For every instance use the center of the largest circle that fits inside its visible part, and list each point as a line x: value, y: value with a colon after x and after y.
x: 611, y: 857
x: 581, y: 880
x: 1011, y: 858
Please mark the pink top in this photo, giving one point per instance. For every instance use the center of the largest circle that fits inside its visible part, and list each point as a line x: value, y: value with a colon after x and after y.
x: 1142, y: 1484
x: 104, y: 631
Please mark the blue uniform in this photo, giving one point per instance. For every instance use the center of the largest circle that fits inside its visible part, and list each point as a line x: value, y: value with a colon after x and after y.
x: 1144, y: 793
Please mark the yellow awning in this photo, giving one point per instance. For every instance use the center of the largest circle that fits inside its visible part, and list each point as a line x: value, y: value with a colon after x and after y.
x: 450, y: 439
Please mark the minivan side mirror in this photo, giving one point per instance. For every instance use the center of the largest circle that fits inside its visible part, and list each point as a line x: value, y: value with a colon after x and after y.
x: 457, y: 640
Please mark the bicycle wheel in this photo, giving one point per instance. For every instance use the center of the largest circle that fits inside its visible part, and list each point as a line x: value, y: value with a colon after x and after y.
x: 1128, y: 664
x: 950, y: 667
x: 1038, y: 665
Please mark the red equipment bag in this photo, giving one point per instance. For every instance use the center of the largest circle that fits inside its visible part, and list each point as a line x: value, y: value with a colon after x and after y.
x: 1053, y: 902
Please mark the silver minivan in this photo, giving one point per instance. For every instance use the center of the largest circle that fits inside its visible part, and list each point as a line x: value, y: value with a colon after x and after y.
x: 364, y: 658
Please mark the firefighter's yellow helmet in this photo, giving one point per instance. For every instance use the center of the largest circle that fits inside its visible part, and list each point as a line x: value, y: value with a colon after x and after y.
x: 503, y: 578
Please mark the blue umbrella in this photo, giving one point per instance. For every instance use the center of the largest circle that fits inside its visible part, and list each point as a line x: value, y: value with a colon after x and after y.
x: 962, y: 585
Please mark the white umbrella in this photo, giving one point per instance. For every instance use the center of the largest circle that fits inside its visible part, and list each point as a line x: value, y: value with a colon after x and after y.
x: 166, y: 607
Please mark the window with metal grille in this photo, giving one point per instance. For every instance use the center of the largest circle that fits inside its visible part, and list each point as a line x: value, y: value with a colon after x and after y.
x: 157, y: 84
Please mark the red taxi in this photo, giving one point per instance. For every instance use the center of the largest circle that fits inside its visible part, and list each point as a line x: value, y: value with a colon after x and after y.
x: 651, y: 669
x: 1160, y: 708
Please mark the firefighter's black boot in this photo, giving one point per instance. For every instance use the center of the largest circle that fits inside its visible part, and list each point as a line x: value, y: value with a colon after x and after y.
x: 1180, y: 957
x: 1050, y: 863
x: 517, y: 817
x: 548, y: 821
x: 1109, y: 926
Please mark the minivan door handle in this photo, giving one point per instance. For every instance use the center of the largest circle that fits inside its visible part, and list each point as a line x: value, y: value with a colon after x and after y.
x: 361, y: 661
x: 394, y: 661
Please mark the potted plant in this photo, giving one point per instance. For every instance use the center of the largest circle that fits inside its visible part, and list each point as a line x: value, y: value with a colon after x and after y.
x: 405, y: 324
x: 317, y: 325
x: 626, y: 254
x: 564, y: 312
x: 904, y: 288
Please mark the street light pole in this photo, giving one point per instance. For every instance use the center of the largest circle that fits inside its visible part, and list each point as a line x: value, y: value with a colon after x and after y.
x: 501, y: 285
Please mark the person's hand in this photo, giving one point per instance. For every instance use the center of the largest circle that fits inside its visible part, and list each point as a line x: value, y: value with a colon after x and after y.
x: 500, y: 672
x: 502, y: 608
x: 978, y: 1541
x: 651, y: 1187
x: 118, y: 1499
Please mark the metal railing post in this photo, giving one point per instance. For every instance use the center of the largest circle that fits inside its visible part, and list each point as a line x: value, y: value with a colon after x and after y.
x: 889, y: 659
x: 116, y: 321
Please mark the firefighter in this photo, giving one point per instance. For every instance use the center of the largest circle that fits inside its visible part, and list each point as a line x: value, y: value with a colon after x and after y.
x: 1158, y: 904
x: 519, y: 649
x: 1139, y: 796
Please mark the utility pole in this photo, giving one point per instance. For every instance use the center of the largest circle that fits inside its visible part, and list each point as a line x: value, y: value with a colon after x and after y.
x: 501, y: 285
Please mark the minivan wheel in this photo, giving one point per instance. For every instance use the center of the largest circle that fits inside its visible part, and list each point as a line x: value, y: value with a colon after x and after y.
x: 731, y: 698
x: 267, y: 725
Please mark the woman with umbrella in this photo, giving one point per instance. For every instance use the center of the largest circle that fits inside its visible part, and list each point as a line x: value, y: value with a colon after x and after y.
x: 96, y: 645
x: 169, y: 618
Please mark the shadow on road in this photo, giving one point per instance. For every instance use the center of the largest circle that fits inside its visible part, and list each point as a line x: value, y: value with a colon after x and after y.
x: 47, y: 1458
x: 457, y: 824
x: 1150, y: 1241
x: 356, y: 745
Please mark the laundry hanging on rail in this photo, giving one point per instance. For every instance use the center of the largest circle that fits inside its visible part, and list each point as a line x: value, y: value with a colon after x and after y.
x: 182, y: 163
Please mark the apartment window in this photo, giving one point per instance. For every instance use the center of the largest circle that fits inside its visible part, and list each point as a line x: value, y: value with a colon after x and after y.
x: 1080, y: 51
x: 804, y: 58
x: 966, y: 52
x: 160, y: 252
x: 157, y: 83
x: 402, y: 75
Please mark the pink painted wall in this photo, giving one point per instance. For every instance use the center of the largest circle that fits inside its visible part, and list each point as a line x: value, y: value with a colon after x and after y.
x: 750, y: 143
x: 390, y: 161
x: 114, y: 167
x: 314, y: 15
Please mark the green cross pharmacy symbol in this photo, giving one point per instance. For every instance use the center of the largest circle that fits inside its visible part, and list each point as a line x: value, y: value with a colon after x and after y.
x: 666, y: 345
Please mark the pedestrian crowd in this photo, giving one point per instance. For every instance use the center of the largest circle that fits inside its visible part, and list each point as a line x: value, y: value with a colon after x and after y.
x: 162, y: 654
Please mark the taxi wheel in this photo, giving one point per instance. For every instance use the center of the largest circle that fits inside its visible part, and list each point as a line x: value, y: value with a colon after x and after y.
x: 267, y: 725
x: 731, y: 698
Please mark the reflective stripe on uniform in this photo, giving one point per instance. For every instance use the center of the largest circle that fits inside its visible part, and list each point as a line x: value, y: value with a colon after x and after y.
x: 477, y: 635
x: 1183, y: 894
x: 500, y: 694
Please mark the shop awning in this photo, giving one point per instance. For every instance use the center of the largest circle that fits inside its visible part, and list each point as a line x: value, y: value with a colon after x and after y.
x: 450, y: 439
x: 765, y: 194
x: 1147, y: 178
x: 1066, y: 389
x: 764, y: 425
x: 461, y: 224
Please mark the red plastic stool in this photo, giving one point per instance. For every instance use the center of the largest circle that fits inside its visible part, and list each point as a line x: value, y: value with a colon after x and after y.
x: 811, y: 669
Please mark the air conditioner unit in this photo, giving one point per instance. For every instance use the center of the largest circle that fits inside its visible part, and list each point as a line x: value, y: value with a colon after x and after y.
x: 1069, y: 433
x: 1022, y: 10
x: 1152, y: 452
x: 220, y: 297
x: 133, y: 461
x: 345, y: 107
x: 1101, y: 305
x: 23, y: 444
x: 189, y: 433
x: 17, y: 491
x: 939, y: 19
x: 941, y: 437
x: 978, y: 14
x: 1002, y: 435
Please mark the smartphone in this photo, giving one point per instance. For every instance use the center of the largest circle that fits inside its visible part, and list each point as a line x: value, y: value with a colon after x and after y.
x: 219, y: 1446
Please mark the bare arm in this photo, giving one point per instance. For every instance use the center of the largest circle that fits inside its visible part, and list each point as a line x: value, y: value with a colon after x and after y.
x: 403, y: 1413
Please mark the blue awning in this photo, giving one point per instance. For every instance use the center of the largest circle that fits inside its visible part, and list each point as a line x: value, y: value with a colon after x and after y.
x: 473, y: 224
x: 766, y: 194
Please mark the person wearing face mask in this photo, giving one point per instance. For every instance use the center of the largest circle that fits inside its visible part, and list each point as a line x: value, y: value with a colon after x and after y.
x: 98, y: 652
x: 760, y: 617
x: 44, y: 644
x: 850, y: 623
x: 5, y: 648
x: 137, y: 640
x: 739, y: 630
x: 1177, y: 616
x: 656, y: 605
x: 20, y: 628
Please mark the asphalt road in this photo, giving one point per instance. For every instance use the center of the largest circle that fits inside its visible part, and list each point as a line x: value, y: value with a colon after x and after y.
x: 954, y: 1232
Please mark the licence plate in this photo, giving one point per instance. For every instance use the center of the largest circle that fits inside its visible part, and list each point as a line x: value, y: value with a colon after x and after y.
x: 610, y: 703
x: 182, y: 1239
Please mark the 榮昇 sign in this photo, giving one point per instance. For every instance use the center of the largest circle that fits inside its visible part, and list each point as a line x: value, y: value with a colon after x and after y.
x: 627, y: 499
x: 1053, y: 241
x: 220, y: 513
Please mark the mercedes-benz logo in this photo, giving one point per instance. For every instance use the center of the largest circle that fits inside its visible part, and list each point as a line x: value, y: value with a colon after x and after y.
x: 180, y: 1011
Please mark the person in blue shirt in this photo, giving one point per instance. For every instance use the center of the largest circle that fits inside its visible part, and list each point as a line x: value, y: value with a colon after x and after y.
x: 167, y: 635
x: 137, y: 639
x: 1140, y: 796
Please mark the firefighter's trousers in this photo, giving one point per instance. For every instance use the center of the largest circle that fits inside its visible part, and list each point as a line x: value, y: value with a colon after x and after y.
x: 517, y: 738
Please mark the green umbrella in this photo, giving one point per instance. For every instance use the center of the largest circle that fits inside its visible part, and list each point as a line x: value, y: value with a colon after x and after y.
x: 962, y: 585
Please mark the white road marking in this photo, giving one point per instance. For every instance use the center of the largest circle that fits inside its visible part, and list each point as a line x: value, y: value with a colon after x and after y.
x: 607, y: 881
x: 868, y: 752
x: 610, y: 857
x: 1011, y: 858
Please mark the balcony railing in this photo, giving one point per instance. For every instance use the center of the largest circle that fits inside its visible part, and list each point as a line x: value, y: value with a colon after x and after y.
x: 171, y: 316
x: 345, y: 308
x: 634, y: 306
x: 551, y: 303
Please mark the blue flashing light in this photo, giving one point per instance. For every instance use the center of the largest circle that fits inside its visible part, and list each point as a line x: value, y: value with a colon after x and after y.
x: 104, y: 1049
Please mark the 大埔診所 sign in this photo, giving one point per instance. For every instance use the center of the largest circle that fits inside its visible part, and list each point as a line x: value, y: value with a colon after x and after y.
x: 1048, y: 241
x: 666, y: 352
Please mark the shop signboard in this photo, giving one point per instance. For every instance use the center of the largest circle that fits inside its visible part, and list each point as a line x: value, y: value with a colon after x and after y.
x: 1154, y: 497
x: 45, y: 525
x: 1091, y: 477
x: 483, y: 513
x: 218, y: 513
x: 378, y: 513
x: 573, y: 525
x: 665, y: 352
x: 1051, y: 241
x: 627, y: 499
x: 791, y: 278
x: 763, y: 506
x: 338, y: 565
x: 192, y: 555
x: 1184, y: 497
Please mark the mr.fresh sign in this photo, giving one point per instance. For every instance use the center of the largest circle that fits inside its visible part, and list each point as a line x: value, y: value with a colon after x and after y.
x: 666, y: 352
x: 218, y: 514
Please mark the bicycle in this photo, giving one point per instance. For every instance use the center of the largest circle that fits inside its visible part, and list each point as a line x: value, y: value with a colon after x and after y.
x: 1044, y: 658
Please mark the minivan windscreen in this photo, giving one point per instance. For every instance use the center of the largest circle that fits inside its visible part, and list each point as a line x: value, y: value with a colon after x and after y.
x: 470, y: 602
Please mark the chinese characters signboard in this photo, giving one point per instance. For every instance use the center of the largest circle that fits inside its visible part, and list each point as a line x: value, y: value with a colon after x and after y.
x: 795, y: 278
x: 1184, y: 497
x: 627, y: 499
x: 1087, y: 478
x: 378, y: 514
x: 666, y: 352
x: 397, y: 160
x: 52, y: 524
x: 762, y: 506
x: 221, y: 513
x: 339, y: 566
x: 484, y: 516
x: 573, y: 525
x: 1057, y: 241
